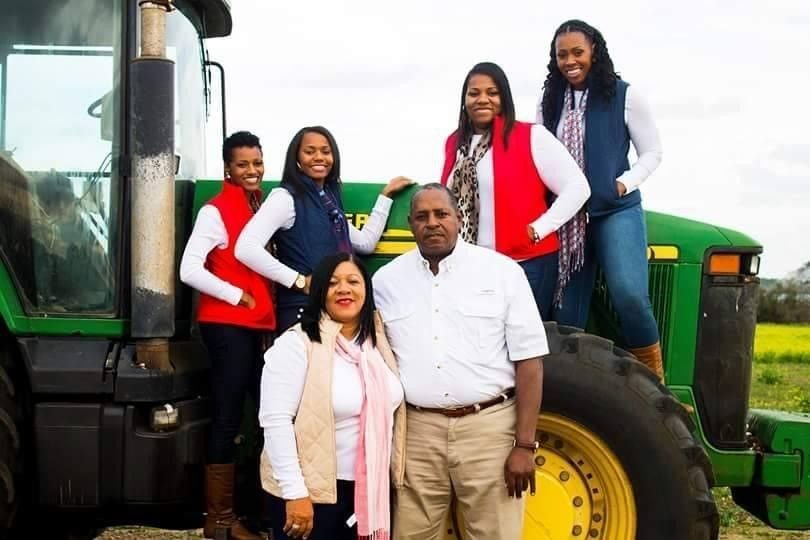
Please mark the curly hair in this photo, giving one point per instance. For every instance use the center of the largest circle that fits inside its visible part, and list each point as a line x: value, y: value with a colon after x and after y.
x: 601, y: 78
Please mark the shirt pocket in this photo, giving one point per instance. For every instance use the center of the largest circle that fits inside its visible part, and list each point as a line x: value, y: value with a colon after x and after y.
x: 399, y: 323
x: 483, y: 319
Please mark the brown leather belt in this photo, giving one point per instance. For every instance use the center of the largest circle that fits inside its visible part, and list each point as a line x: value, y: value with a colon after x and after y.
x: 456, y: 412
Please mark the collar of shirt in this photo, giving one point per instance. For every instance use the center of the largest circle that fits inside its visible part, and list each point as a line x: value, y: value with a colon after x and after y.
x: 449, y: 262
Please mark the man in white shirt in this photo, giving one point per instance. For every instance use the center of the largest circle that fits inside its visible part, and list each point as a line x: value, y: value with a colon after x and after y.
x: 468, y: 338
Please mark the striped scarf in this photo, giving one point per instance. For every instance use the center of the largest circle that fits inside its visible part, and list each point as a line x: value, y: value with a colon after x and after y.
x: 340, y: 227
x: 572, y: 233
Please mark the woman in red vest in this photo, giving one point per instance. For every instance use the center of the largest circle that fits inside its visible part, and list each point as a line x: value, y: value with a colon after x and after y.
x: 235, y: 312
x: 503, y: 172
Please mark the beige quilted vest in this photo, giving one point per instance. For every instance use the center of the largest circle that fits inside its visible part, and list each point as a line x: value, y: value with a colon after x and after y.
x: 315, y: 421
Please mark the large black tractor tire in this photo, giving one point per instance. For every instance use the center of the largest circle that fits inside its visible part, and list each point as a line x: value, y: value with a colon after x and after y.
x: 609, y: 397
x: 9, y: 452
x: 17, y: 519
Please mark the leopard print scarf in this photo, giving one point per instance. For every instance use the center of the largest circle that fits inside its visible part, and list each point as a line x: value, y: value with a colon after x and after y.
x: 465, y: 185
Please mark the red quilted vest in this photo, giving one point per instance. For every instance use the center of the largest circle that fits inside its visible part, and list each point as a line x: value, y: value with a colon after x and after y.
x: 235, y: 210
x: 520, y: 194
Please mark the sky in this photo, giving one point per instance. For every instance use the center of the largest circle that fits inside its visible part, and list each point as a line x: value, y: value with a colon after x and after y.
x: 726, y: 81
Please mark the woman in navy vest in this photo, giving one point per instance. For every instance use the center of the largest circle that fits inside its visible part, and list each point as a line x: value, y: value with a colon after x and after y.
x: 304, y: 217
x: 502, y: 172
x: 596, y: 115
x: 235, y: 312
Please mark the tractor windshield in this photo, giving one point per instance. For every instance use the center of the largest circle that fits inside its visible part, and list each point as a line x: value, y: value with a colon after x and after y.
x: 60, y: 135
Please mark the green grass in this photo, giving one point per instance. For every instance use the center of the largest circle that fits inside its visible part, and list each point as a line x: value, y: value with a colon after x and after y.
x: 780, y: 380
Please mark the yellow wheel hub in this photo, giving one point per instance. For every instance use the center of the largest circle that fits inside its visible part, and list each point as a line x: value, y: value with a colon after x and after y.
x: 582, y: 489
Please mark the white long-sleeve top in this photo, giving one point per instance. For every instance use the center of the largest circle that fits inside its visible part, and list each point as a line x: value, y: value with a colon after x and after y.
x: 209, y: 233
x: 282, y: 385
x: 643, y: 134
x: 559, y: 172
x: 278, y: 212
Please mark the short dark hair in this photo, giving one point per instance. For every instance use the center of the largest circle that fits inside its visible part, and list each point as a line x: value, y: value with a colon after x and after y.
x: 435, y: 186
x: 290, y: 175
x: 239, y: 139
x: 465, y: 127
x: 601, y: 78
x: 318, y: 289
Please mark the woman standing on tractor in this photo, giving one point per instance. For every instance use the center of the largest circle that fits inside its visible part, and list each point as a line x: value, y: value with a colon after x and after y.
x: 235, y: 312
x: 305, y: 219
x: 597, y: 115
x: 502, y: 171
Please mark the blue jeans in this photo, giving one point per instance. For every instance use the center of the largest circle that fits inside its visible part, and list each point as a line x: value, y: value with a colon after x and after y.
x: 617, y: 243
x: 542, y: 275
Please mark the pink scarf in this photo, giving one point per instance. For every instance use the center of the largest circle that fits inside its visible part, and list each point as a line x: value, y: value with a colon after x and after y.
x: 371, y: 469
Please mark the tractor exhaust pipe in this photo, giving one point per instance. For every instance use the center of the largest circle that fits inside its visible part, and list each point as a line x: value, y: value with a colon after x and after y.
x: 152, y: 190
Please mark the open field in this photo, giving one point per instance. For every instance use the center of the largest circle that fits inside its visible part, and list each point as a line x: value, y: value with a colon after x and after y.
x: 782, y: 343
x: 780, y: 380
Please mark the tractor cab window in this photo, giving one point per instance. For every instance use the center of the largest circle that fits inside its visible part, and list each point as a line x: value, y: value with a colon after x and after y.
x: 60, y: 90
x: 183, y: 46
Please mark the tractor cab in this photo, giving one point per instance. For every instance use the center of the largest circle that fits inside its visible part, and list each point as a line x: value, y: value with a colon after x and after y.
x: 65, y: 142
x: 97, y: 434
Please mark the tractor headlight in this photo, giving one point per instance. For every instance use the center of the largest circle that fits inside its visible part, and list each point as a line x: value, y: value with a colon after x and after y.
x: 165, y: 418
x: 752, y: 265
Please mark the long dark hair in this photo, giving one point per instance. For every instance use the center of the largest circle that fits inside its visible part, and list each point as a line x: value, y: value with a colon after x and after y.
x: 601, y: 78
x: 318, y: 289
x: 291, y: 176
x: 465, y: 126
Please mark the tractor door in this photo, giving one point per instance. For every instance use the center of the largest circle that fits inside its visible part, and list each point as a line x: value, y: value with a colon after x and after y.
x: 60, y: 139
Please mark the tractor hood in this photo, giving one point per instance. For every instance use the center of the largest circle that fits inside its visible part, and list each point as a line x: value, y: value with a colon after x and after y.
x: 692, y: 238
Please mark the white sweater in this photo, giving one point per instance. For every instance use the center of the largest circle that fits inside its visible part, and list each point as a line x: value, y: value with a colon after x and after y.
x: 643, y: 134
x: 209, y: 233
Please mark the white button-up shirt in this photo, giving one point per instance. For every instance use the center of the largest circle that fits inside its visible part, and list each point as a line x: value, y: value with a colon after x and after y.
x: 456, y: 334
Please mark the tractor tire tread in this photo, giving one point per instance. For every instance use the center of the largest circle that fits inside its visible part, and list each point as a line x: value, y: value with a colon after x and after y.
x: 600, y: 353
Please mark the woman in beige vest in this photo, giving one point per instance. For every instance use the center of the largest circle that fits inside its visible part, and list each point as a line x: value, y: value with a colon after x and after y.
x: 330, y: 409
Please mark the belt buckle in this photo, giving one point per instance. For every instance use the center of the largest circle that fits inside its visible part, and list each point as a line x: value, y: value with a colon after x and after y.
x: 457, y: 412
x: 453, y: 411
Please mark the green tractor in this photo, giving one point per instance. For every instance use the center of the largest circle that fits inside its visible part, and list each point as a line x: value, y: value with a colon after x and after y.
x: 103, y: 388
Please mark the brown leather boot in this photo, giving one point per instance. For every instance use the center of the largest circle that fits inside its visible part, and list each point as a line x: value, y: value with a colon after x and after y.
x: 219, y: 516
x: 650, y: 356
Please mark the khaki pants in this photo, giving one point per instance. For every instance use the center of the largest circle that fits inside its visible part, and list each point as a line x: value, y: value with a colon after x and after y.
x: 462, y: 457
